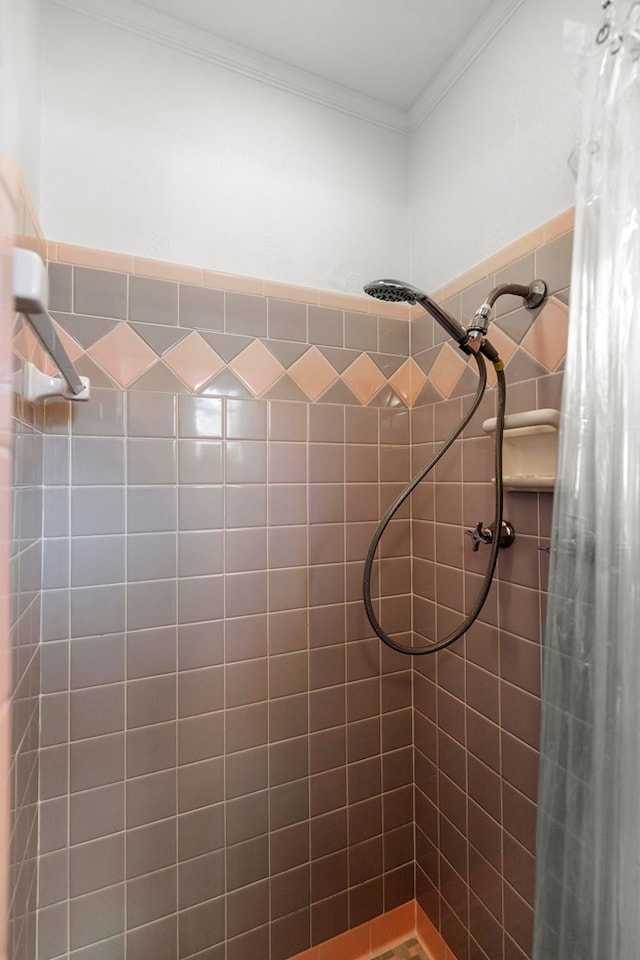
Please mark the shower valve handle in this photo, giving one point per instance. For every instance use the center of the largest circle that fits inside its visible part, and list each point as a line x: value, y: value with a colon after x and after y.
x: 479, y: 534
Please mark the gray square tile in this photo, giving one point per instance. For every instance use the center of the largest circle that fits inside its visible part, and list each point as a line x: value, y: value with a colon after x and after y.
x: 152, y: 897
x: 200, y: 417
x: 151, y: 749
x: 60, y: 287
x: 151, y: 604
x: 151, y: 652
x: 96, y: 813
x: 152, y: 509
x: 151, y: 700
x: 153, y: 301
x: 199, y: 599
x: 99, y: 293
x: 52, y: 931
x: 97, y: 660
x: 158, y: 940
x: 151, y: 847
x: 151, y: 798
x: 246, y: 314
x: 151, y: 461
x: 97, y: 711
x: 97, y: 510
x: 200, y: 461
x: 97, y: 560
x: 201, y: 308
x: 200, y: 508
x: 326, y: 326
x: 200, y: 553
x: 151, y: 556
x: 97, y: 762
x: 97, y: 461
x: 97, y: 610
x: 103, y: 416
x: 200, y: 691
x: 151, y: 414
x: 97, y: 864
x: 96, y: 916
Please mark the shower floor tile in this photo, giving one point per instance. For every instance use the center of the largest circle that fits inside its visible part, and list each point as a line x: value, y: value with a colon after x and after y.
x: 410, y: 950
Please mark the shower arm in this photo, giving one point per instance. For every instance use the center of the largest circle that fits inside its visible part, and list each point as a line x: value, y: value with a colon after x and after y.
x: 532, y: 294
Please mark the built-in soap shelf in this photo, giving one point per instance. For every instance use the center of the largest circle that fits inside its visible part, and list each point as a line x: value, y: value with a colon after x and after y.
x: 530, y: 449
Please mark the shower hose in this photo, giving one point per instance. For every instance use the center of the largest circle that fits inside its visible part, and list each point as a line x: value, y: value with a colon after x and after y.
x: 406, y: 493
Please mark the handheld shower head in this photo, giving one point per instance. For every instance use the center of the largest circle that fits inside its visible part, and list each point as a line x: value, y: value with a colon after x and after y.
x: 394, y: 291
x: 397, y: 291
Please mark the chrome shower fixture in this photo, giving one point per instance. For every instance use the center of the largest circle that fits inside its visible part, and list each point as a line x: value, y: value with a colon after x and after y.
x: 471, y: 339
x: 532, y: 295
x: 395, y: 291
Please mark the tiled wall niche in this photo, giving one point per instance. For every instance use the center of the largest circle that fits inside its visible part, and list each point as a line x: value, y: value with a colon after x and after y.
x: 216, y: 784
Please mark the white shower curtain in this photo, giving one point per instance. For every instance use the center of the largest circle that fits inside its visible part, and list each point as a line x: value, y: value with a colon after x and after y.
x: 588, y: 883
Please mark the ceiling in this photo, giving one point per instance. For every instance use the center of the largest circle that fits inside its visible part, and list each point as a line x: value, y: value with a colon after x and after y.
x: 390, y: 50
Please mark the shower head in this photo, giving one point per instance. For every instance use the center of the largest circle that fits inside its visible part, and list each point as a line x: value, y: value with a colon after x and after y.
x: 394, y: 291
x: 397, y: 291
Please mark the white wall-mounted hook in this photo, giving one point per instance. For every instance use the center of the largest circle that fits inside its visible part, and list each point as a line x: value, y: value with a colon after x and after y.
x: 33, y: 385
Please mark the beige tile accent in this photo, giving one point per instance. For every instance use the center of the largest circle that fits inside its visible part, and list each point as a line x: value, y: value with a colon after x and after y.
x: 194, y: 361
x: 233, y: 282
x: 343, y: 301
x: 159, y: 269
x: 257, y: 368
x: 313, y: 373
x: 408, y: 381
x: 122, y: 354
x: 558, y: 225
x: 396, y: 311
x: 547, y: 338
x: 289, y: 291
x: 88, y: 257
x: 364, y: 378
x: 447, y: 370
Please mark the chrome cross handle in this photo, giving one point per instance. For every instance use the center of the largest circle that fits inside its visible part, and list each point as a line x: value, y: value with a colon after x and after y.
x: 481, y: 534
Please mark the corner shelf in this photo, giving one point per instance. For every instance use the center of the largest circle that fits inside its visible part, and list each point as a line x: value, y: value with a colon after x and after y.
x: 530, y: 449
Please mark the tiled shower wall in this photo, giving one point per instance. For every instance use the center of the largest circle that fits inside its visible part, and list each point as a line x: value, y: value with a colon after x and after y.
x: 226, y: 754
x: 477, y: 705
x: 22, y: 432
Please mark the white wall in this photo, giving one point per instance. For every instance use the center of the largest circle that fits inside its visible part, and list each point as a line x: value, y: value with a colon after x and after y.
x: 20, y: 22
x: 490, y: 163
x: 149, y: 151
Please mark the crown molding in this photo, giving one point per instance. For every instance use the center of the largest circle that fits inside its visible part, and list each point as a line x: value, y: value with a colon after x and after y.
x: 469, y: 50
x: 170, y: 32
x: 134, y: 17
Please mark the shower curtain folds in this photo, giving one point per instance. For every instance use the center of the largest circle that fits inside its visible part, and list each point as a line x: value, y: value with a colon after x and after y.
x: 588, y: 844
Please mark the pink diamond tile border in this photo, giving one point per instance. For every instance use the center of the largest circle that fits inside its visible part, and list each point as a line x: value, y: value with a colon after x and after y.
x: 447, y: 370
x: 194, y: 361
x: 408, y: 381
x: 547, y: 338
x: 122, y: 354
x: 313, y: 373
x: 257, y: 368
x: 364, y: 378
